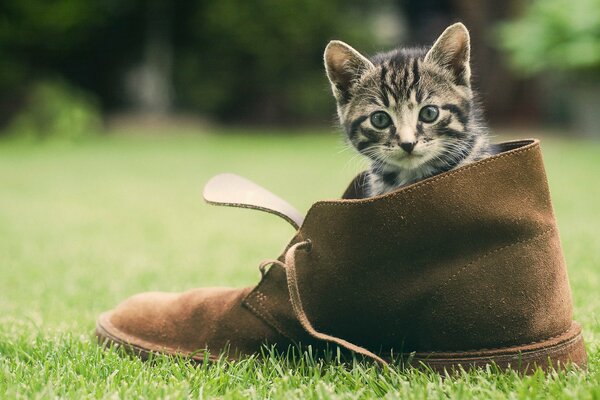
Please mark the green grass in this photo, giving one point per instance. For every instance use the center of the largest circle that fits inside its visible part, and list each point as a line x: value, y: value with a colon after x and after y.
x: 83, y: 227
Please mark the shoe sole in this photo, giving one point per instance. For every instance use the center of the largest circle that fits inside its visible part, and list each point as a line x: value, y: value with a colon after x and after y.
x: 557, y: 352
x: 106, y: 334
x: 553, y: 353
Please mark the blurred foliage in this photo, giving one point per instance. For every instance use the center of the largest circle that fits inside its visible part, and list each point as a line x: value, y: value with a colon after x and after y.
x: 37, y: 36
x: 269, y: 51
x: 554, y: 35
x: 232, y: 59
x: 80, y: 41
x: 56, y: 111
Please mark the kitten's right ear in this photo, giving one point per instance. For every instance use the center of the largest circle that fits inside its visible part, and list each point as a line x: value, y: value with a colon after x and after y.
x: 344, y: 66
x: 452, y: 50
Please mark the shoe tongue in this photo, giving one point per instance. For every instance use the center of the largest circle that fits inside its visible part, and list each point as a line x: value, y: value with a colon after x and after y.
x: 235, y: 191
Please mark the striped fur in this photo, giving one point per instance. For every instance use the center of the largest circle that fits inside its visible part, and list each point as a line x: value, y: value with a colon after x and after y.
x: 401, y: 83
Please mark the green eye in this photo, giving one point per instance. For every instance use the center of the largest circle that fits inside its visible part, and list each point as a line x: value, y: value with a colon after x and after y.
x: 380, y: 120
x: 429, y: 113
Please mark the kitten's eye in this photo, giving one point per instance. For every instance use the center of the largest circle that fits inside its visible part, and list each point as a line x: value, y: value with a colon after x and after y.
x: 429, y: 113
x: 380, y: 120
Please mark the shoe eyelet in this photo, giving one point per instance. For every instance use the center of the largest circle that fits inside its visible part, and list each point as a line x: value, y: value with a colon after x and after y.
x: 308, y: 247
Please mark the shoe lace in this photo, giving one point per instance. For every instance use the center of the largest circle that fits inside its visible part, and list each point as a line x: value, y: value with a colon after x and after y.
x: 289, y: 266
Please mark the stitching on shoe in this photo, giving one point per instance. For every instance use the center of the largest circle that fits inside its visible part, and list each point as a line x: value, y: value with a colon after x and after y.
x: 412, y: 188
x: 464, y: 267
x: 264, y: 314
x: 489, y: 253
x: 467, y: 167
x: 255, y: 294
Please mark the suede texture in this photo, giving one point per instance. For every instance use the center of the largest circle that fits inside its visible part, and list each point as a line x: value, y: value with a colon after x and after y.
x: 465, y: 261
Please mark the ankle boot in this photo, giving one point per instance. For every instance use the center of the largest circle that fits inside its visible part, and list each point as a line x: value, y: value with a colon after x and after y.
x: 464, y: 268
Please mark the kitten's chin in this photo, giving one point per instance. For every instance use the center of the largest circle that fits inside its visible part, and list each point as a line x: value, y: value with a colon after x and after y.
x: 407, y: 161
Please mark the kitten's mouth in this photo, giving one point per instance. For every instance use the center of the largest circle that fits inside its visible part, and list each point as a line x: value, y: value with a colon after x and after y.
x: 406, y: 160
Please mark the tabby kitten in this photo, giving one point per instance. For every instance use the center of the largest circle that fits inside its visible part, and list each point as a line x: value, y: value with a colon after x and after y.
x: 410, y: 111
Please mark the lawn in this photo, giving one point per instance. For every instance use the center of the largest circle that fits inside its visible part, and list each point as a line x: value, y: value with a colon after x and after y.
x: 84, y: 226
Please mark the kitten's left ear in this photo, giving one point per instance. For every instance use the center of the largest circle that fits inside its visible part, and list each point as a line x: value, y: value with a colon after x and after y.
x: 452, y: 50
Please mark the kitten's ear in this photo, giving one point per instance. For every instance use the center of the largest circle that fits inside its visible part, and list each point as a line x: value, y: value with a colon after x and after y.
x: 344, y: 65
x: 452, y: 50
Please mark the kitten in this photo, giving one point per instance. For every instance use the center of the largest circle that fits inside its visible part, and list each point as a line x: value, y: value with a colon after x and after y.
x: 410, y: 111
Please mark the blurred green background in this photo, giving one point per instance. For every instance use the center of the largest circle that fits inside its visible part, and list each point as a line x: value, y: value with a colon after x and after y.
x: 75, y: 68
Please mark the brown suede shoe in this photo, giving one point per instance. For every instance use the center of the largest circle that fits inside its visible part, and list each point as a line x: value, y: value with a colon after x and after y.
x: 464, y: 268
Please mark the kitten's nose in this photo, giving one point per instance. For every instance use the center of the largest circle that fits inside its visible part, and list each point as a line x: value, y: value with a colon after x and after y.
x: 408, y: 146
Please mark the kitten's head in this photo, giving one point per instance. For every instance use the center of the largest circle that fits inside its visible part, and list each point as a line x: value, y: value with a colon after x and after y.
x: 407, y: 108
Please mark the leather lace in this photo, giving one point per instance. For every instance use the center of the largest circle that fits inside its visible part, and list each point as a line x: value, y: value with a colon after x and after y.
x: 289, y: 266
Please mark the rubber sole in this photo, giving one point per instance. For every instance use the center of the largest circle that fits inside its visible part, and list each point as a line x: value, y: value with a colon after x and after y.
x: 553, y: 353
x: 557, y: 352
